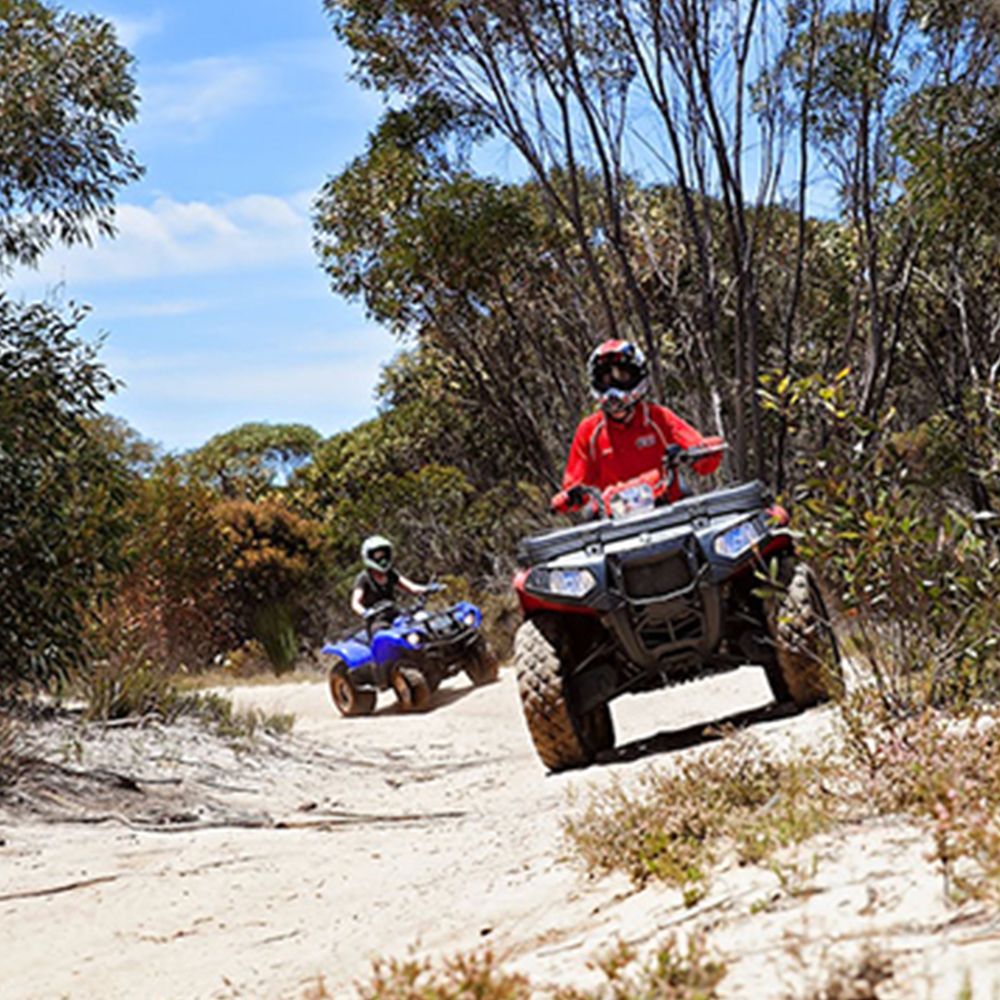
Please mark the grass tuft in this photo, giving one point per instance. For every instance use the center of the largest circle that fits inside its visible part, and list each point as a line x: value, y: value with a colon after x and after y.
x: 672, y: 973
x: 675, y: 826
x: 236, y: 725
x: 475, y: 976
x: 861, y: 978
x: 10, y: 760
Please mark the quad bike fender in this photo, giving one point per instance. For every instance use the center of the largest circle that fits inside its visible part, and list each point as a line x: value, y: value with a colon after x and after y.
x: 351, y: 650
x: 465, y: 608
x: 390, y: 645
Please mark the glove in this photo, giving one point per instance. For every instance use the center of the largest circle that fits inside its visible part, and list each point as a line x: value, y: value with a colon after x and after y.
x: 433, y: 588
x: 566, y: 501
x: 670, y: 457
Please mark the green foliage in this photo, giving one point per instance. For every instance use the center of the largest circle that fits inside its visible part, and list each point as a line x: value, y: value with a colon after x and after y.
x: 66, y: 92
x: 672, y: 973
x: 918, y: 577
x: 61, y: 493
x: 248, y: 461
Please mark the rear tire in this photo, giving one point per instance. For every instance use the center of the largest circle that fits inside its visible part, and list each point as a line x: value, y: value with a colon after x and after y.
x: 808, y: 668
x: 482, y: 667
x: 563, y: 738
x: 349, y: 699
x: 412, y: 689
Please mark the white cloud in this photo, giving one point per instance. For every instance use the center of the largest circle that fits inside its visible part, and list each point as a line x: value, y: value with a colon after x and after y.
x: 323, y: 378
x: 171, y: 238
x: 186, y: 98
x: 141, y: 310
x: 131, y: 30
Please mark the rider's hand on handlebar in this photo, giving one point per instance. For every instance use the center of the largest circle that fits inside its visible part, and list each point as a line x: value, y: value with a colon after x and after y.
x: 434, y: 588
x: 569, y: 500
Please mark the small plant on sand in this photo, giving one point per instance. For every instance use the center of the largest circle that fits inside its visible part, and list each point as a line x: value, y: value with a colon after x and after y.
x: 126, y: 676
x: 860, y: 978
x: 671, y: 973
x: 238, y: 725
x: 675, y: 825
x: 941, y: 768
x: 475, y: 976
x: 9, y: 758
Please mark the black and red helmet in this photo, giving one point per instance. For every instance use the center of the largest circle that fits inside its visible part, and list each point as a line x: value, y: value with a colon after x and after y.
x: 619, y: 375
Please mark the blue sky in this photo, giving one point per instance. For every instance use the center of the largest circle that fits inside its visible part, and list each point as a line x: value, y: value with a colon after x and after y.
x: 214, y: 307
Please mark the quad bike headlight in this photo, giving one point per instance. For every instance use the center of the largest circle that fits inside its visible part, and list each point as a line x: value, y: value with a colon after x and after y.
x: 562, y: 582
x: 469, y: 619
x: 413, y: 639
x: 733, y: 543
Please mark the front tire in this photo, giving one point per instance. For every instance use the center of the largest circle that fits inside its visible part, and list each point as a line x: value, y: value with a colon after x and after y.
x: 805, y: 645
x: 482, y: 667
x: 412, y: 689
x: 349, y: 699
x: 563, y: 737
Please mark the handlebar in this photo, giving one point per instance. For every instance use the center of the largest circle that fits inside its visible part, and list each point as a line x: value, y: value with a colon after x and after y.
x: 585, y: 497
x: 675, y: 455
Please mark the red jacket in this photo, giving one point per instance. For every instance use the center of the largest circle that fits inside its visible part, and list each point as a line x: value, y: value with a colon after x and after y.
x: 605, y: 451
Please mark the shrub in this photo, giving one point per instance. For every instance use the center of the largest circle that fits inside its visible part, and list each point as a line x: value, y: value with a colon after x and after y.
x: 60, y: 494
x: 674, y: 826
x: 276, y: 567
x: 472, y: 975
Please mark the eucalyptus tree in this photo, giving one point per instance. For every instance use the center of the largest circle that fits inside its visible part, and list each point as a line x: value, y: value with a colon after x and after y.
x: 602, y: 100
x: 479, y: 275
x: 252, y: 459
x: 66, y: 92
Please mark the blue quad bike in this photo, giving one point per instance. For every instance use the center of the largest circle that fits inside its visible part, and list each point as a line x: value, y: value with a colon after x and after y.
x: 410, y: 650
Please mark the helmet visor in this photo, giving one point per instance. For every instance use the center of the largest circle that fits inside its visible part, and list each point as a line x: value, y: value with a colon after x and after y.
x: 381, y: 557
x: 615, y: 372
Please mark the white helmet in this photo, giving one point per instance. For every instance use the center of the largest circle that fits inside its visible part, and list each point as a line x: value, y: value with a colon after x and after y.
x: 376, y: 553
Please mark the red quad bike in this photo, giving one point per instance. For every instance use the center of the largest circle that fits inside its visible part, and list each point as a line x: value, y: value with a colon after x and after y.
x: 646, y: 596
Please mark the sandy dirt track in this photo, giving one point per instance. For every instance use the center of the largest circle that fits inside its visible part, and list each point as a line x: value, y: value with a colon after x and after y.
x: 427, y: 834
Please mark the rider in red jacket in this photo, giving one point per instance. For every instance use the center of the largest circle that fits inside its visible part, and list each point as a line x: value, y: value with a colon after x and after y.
x: 627, y: 436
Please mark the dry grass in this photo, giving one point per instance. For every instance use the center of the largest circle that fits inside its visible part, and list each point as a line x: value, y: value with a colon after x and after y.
x: 671, y: 973
x: 9, y: 755
x: 940, y: 768
x: 676, y: 825
x: 857, y: 979
x: 239, y: 726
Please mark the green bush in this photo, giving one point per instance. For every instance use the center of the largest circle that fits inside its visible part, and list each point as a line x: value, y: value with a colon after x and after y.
x: 61, y: 494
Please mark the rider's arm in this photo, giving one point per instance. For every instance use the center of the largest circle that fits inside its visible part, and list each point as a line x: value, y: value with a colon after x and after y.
x: 357, y: 598
x: 681, y: 432
x: 410, y: 587
x: 580, y: 468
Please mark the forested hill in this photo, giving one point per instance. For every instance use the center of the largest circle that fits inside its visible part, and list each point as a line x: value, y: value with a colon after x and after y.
x: 792, y: 209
